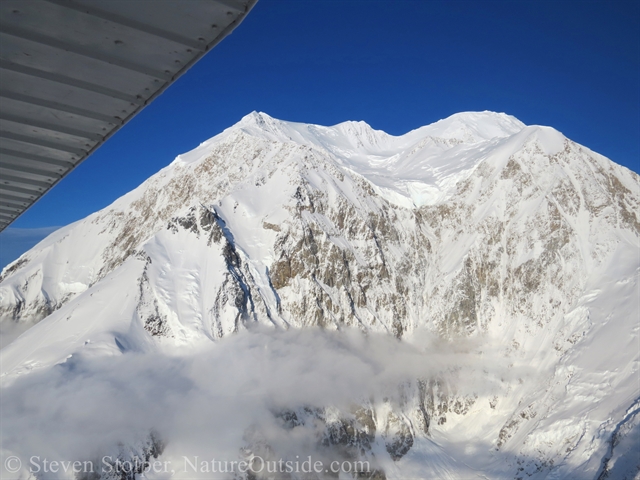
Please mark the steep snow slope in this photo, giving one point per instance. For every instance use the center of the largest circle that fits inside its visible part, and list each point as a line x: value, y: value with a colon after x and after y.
x: 474, y: 227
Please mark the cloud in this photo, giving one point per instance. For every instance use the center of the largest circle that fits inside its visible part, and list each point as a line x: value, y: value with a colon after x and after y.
x: 203, y: 401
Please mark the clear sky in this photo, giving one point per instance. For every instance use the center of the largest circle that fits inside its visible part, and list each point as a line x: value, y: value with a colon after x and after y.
x: 398, y: 65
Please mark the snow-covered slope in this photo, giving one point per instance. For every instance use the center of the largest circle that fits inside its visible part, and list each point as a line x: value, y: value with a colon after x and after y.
x: 475, y: 229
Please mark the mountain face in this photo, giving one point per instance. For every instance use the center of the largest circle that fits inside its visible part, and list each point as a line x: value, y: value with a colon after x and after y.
x: 508, y: 246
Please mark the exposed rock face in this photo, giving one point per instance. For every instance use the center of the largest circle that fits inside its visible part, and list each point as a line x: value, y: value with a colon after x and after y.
x: 337, y: 436
x: 475, y: 227
x: 127, y: 462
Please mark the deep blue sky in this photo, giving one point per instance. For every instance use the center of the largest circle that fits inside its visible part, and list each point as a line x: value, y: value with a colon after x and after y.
x: 573, y: 65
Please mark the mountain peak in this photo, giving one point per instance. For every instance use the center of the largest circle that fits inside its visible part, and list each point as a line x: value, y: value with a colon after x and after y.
x: 473, y: 127
x: 255, y: 117
x: 356, y: 137
x: 404, y: 165
x: 464, y: 127
x: 260, y: 121
x: 503, y: 264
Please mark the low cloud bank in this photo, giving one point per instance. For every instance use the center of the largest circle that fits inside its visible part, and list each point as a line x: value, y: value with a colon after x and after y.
x: 202, y: 402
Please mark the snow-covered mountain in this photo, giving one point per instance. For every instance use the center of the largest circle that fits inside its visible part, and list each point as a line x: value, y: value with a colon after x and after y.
x: 506, y: 255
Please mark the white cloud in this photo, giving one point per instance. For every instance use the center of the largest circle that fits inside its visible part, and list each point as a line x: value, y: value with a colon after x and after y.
x: 203, y: 401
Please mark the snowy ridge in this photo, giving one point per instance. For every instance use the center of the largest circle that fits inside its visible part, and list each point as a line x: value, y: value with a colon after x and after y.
x: 408, y: 170
x: 508, y: 242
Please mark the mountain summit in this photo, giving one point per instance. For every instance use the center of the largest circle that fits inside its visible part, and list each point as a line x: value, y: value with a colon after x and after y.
x: 509, y: 242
